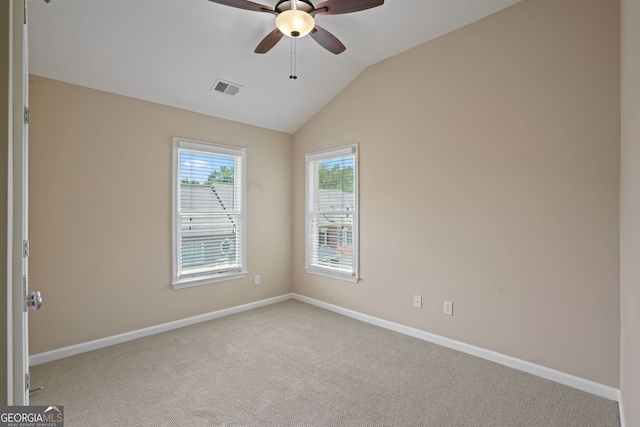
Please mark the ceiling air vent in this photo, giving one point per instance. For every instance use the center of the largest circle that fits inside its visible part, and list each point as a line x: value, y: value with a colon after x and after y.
x: 225, y: 87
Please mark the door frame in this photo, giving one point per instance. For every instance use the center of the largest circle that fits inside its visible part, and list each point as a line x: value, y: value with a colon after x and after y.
x: 17, y: 209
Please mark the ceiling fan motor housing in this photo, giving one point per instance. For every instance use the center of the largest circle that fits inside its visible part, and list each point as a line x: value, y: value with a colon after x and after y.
x: 304, y: 5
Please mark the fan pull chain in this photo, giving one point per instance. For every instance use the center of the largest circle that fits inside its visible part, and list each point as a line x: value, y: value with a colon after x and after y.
x: 293, y: 74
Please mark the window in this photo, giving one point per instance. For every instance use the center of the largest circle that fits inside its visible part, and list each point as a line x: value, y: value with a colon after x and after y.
x: 332, y: 213
x: 208, y: 213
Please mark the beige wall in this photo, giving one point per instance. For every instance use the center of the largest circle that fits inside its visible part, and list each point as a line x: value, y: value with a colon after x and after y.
x: 100, y: 214
x: 630, y: 214
x: 5, y: 17
x: 489, y: 176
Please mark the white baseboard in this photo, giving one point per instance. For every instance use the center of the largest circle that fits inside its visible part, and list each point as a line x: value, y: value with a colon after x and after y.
x: 60, y: 353
x: 522, y: 365
x: 621, y: 409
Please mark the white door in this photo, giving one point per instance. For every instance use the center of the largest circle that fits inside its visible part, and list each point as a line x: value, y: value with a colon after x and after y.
x: 18, y: 208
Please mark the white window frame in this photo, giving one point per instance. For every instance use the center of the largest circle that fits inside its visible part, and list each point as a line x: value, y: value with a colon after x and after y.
x: 179, y: 281
x: 311, y: 187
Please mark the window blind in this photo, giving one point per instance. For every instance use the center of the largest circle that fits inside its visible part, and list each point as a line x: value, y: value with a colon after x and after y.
x: 209, y: 210
x: 332, y: 212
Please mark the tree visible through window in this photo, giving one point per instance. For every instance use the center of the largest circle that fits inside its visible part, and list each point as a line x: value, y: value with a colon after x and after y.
x: 332, y: 212
x: 208, y: 213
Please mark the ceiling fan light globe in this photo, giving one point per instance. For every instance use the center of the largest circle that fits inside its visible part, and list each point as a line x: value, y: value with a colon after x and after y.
x: 295, y: 23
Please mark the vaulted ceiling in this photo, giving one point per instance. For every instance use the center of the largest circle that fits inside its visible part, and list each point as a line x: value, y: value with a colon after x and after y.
x: 173, y: 51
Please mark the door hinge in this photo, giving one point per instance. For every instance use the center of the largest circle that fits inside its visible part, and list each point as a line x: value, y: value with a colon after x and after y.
x: 25, y: 248
x: 24, y: 293
x: 27, y: 381
x: 26, y: 115
x: 24, y: 12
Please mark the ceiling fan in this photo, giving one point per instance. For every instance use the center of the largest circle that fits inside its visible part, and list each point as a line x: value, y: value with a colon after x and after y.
x: 295, y: 18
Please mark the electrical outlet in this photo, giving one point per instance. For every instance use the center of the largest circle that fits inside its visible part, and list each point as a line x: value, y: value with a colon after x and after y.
x: 256, y: 280
x: 447, y: 308
x: 417, y: 301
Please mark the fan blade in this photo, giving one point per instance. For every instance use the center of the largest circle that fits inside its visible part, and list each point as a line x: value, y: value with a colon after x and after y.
x: 335, y: 7
x: 244, y: 4
x: 270, y: 41
x: 327, y: 40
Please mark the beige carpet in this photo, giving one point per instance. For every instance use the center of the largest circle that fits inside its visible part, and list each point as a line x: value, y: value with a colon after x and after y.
x: 292, y: 364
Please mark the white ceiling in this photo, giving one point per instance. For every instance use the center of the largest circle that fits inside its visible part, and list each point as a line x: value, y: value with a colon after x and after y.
x: 172, y: 51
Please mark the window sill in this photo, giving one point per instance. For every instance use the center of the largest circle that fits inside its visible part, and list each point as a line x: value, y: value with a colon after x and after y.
x: 322, y: 272
x: 206, y: 280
